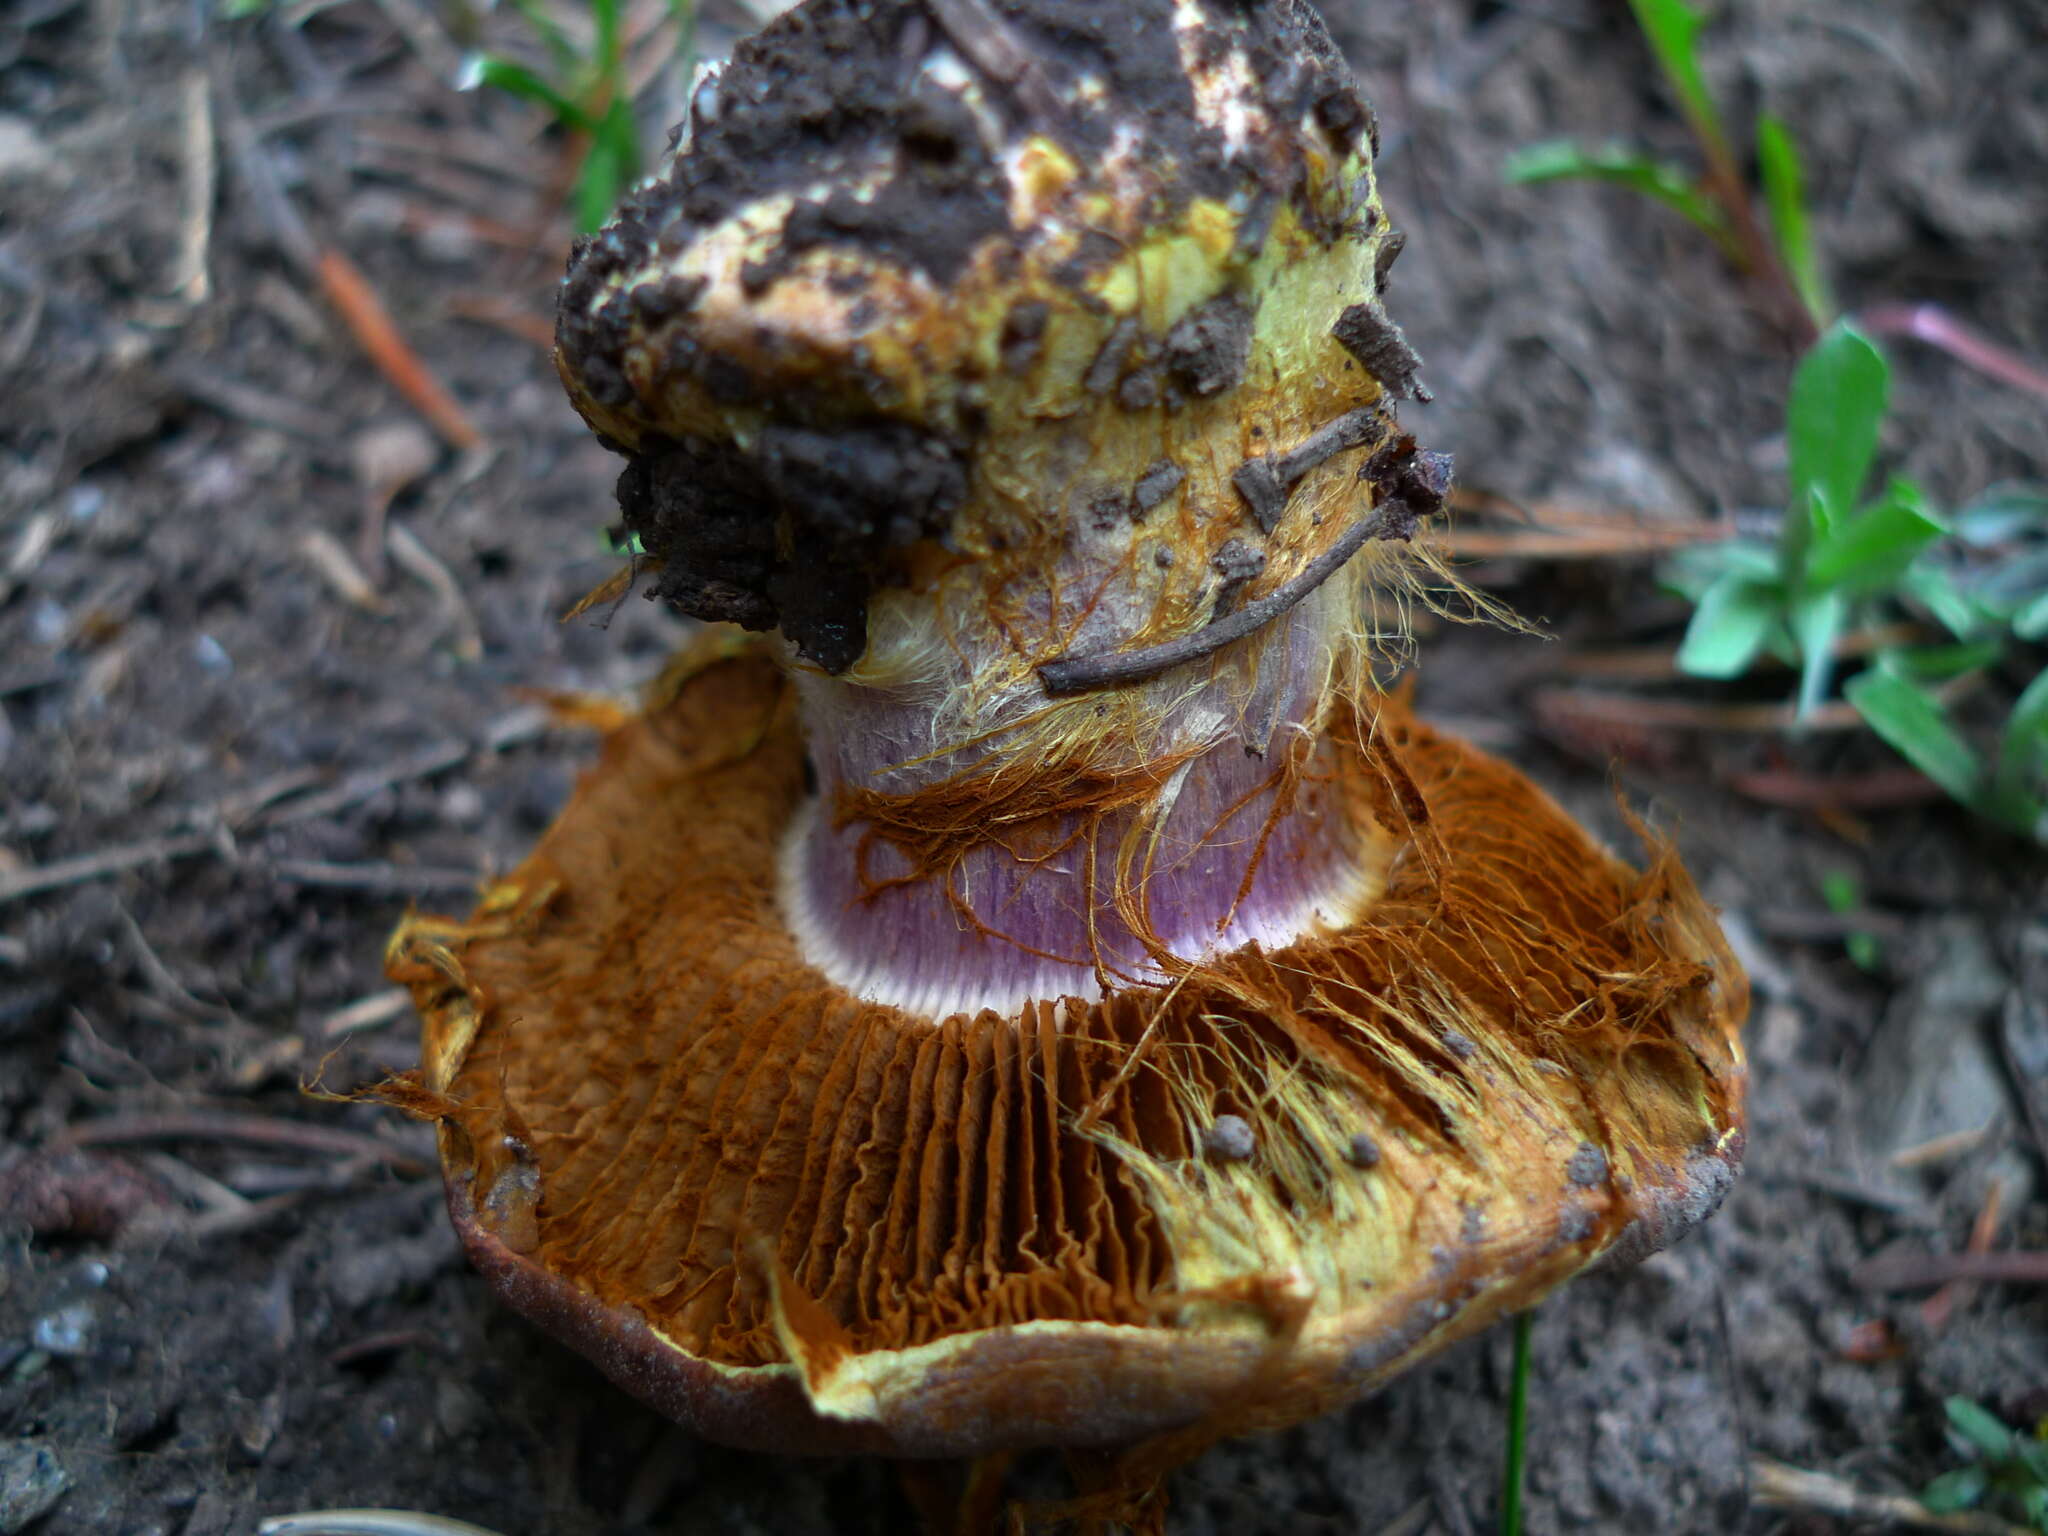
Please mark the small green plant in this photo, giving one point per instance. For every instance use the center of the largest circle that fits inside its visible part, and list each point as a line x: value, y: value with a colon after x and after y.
x: 2010, y: 1469
x: 1842, y: 559
x: 1715, y: 197
x: 586, y: 90
x: 1843, y: 893
x: 1843, y: 562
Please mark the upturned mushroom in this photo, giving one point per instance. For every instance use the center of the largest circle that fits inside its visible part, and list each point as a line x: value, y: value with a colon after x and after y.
x: 1047, y: 993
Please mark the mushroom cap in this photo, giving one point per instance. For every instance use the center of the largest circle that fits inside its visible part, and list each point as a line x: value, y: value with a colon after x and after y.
x: 979, y: 280
x: 795, y: 1221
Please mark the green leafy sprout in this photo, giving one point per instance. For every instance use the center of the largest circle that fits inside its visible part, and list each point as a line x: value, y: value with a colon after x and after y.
x: 1845, y: 560
x: 1713, y: 197
x: 2010, y: 1468
x: 1843, y: 557
x: 585, y: 88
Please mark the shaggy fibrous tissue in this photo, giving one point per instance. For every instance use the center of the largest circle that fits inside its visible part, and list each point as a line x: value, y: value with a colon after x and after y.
x: 1043, y: 992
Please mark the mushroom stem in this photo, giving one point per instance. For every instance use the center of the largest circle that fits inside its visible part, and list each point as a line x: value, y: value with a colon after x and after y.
x: 954, y: 860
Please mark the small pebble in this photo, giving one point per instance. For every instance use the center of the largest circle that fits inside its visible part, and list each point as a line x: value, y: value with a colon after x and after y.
x: 1460, y: 1045
x: 1230, y: 1139
x: 1588, y: 1166
x: 32, y: 1480
x: 66, y: 1331
x: 212, y: 655
x: 1362, y: 1152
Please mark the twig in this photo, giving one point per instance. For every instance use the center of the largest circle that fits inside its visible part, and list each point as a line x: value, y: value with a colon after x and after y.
x: 1880, y: 789
x: 985, y: 39
x: 396, y: 879
x: 350, y: 293
x: 239, y: 809
x: 1777, y: 1486
x: 181, y: 1176
x: 338, y: 568
x: 426, y: 567
x: 199, y: 174
x: 1941, y: 1149
x: 235, y: 811
x: 346, y: 288
x: 1659, y: 663
x: 1937, y: 1309
x: 1581, y: 706
x: 245, y: 402
x: 199, y: 1125
x: 1938, y: 328
x: 387, y: 1342
x: 366, y: 1013
x: 1543, y: 544
x: 366, y: 782
x: 96, y: 866
x: 1083, y: 674
x: 1917, y: 1271
x: 166, y: 986
x: 216, y: 1224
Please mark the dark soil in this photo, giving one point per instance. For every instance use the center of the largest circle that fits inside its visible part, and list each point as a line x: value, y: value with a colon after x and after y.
x: 197, y: 1331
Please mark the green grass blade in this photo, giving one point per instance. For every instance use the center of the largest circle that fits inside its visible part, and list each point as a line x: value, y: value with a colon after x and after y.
x: 2005, y: 512
x: 2022, y: 782
x: 1513, y: 1474
x: 1870, y: 551
x: 1919, y: 730
x: 1937, y: 663
x: 1953, y: 1492
x: 1785, y: 196
x: 1669, y: 184
x: 1933, y: 588
x: 2031, y: 621
x: 1673, y: 29
x: 1980, y: 1426
x: 609, y: 52
x: 611, y: 165
x: 1817, y: 621
x: 515, y: 79
x: 1831, y: 424
x: 1690, y: 571
x: 1729, y: 626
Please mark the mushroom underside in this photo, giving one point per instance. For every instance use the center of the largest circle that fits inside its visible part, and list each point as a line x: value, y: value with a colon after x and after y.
x: 796, y: 1221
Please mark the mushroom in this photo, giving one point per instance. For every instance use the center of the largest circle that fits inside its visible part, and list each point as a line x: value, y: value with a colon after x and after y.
x: 1048, y: 994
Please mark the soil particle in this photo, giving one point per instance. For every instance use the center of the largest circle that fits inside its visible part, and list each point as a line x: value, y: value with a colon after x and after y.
x: 1024, y: 334
x: 1230, y: 1139
x: 1237, y: 563
x: 32, y: 1483
x: 1370, y: 335
x: 1264, y: 493
x: 719, y: 519
x: 1155, y: 485
x: 1362, y: 1151
x: 1108, y: 364
x: 1207, y: 347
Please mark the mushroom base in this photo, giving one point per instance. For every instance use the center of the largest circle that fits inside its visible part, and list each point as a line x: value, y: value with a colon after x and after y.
x: 797, y: 1221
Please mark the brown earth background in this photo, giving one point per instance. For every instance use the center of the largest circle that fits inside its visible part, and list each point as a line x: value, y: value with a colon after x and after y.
x: 267, y: 762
